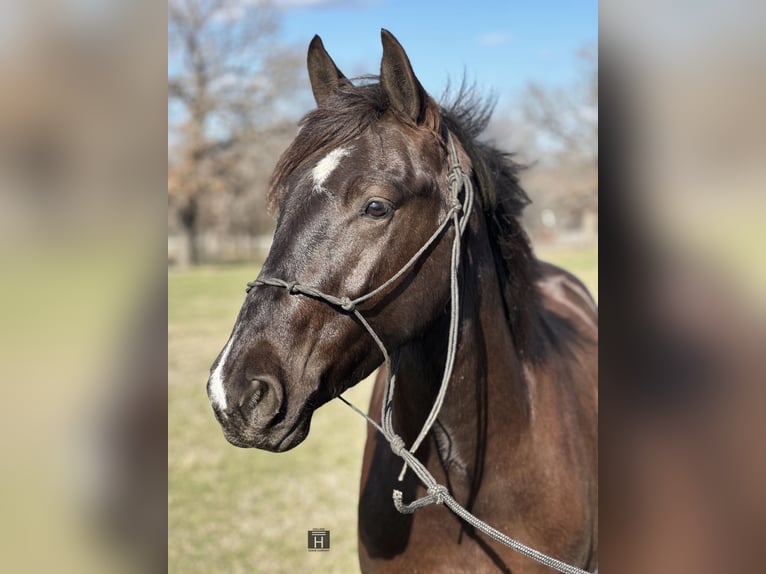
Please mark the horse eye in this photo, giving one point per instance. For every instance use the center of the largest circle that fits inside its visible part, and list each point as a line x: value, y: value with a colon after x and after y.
x: 377, y: 209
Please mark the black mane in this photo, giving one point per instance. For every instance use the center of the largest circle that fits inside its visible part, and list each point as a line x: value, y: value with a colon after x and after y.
x: 503, y: 200
x: 350, y: 111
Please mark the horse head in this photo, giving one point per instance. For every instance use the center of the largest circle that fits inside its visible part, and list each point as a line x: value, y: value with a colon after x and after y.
x: 361, y: 189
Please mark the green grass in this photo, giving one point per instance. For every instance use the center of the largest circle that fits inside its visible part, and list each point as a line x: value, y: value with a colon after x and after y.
x: 234, y: 510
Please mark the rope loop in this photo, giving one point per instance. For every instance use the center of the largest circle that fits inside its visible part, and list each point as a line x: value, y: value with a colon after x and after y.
x: 398, y: 504
x: 436, y: 494
x: 291, y: 287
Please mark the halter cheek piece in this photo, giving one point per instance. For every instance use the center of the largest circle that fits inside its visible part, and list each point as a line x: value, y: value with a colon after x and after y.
x: 458, y: 213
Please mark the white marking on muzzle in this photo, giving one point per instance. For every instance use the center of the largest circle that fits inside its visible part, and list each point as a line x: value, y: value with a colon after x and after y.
x: 217, y: 392
x: 326, y: 166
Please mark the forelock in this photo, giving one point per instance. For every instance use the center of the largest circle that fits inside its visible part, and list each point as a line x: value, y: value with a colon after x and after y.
x: 342, y: 117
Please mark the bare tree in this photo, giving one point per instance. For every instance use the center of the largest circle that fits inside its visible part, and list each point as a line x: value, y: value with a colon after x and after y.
x: 566, y: 121
x: 227, y: 75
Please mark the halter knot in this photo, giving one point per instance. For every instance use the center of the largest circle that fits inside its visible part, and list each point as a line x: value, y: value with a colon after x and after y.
x: 347, y: 304
x: 291, y: 285
x: 439, y: 492
x: 456, y: 206
x: 397, y: 445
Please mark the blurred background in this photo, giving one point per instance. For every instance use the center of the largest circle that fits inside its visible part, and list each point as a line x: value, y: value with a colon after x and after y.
x: 237, y: 86
x: 110, y: 459
x: 82, y: 295
x: 683, y: 336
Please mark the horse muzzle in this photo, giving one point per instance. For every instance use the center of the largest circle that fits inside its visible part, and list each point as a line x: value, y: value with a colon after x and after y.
x: 257, y: 417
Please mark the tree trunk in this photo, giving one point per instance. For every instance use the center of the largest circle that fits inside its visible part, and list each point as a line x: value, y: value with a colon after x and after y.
x: 190, y: 254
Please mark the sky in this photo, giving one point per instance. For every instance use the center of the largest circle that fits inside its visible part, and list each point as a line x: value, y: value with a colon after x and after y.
x: 501, y: 45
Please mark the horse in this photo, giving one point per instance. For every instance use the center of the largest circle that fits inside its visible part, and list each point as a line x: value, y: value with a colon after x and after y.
x: 363, y: 201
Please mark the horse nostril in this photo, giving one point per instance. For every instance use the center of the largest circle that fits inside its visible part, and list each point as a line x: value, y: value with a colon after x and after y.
x: 253, y: 395
x: 250, y: 394
x: 255, y: 402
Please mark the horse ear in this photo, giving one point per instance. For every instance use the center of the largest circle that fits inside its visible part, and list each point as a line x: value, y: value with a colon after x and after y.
x: 324, y: 75
x: 396, y: 76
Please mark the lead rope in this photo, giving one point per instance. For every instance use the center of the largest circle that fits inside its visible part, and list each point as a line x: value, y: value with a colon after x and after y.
x: 436, y: 493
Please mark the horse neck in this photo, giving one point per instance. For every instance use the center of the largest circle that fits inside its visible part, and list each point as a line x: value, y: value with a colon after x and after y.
x: 487, y: 394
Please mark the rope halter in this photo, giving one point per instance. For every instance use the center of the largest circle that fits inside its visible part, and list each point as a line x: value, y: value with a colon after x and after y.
x: 458, y: 214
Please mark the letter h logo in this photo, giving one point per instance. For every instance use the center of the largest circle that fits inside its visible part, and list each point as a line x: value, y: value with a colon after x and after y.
x: 319, y: 540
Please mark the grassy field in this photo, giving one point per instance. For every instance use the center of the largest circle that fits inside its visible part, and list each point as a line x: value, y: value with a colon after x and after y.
x: 234, y: 510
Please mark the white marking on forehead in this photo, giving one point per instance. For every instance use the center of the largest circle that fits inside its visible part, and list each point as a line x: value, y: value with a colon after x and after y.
x: 217, y: 392
x: 326, y: 166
